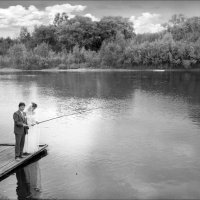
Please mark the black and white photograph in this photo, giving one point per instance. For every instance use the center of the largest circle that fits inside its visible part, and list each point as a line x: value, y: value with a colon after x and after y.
x: 99, y: 99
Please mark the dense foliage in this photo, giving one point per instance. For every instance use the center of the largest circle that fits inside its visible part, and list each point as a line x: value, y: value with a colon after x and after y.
x: 108, y: 43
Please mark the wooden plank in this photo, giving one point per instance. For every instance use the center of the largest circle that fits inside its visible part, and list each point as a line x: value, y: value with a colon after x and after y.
x: 7, y: 163
x: 24, y: 159
x: 7, y: 144
x: 3, y: 148
x: 9, y: 149
x: 10, y: 144
x: 9, y: 155
x: 11, y: 164
x: 6, y: 158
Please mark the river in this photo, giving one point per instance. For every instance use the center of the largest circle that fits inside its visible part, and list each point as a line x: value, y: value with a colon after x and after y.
x: 143, y: 142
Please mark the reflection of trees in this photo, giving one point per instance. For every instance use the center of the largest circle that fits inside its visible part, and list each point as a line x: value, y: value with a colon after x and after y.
x: 94, y: 85
x: 185, y: 85
x: 195, y: 115
x: 84, y: 85
x: 177, y: 84
x: 118, y: 85
x: 115, y: 84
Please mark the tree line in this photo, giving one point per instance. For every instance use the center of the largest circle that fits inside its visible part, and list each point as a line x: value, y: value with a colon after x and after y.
x: 111, y: 42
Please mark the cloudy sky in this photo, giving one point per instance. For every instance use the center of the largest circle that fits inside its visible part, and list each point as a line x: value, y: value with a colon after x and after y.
x: 147, y: 16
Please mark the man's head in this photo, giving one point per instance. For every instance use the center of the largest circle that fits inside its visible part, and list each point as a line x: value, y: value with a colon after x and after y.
x: 21, y: 106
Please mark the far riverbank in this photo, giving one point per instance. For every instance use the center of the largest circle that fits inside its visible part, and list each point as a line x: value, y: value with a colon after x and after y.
x: 97, y: 70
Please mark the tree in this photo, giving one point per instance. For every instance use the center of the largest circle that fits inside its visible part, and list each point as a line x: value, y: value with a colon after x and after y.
x: 150, y: 37
x: 24, y: 35
x: 46, y: 34
x: 186, y: 29
x: 112, y: 53
x: 177, y: 19
x: 5, y: 44
x: 18, y: 55
x: 109, y: 26
x: 81, y: 31
x: 42, y: 50
x: 59, y: 19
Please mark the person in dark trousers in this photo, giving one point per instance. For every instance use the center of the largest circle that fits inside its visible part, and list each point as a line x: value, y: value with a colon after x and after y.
x: 20, y: 130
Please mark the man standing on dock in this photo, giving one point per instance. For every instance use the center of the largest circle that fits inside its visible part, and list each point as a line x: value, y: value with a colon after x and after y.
x: 20, y: 130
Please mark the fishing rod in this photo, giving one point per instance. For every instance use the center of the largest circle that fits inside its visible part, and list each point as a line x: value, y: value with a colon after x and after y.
x: 80, y: 112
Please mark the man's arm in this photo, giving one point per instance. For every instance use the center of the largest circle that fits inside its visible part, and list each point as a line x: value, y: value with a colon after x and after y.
x: 16, y: 120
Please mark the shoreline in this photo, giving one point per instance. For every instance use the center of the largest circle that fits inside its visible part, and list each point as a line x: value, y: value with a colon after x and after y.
x: 98, y: 70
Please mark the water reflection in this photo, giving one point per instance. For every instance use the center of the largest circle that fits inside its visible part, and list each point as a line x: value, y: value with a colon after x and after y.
x: 79, y: 85
x: 108, y: 85
x: 145, y: 146
x: 78, y: 89
x: 29, y: 181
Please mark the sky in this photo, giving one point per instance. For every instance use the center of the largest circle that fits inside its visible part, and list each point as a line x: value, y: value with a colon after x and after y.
x: 147, y: 16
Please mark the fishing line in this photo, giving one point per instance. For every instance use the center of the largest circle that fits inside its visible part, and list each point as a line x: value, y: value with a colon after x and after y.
x: 77, y: 112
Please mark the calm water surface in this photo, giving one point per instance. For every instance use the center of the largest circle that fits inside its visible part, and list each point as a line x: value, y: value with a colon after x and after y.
x: 144, y: 145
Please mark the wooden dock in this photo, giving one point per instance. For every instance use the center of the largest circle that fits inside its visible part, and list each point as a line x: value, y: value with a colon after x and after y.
x: 7, y: 158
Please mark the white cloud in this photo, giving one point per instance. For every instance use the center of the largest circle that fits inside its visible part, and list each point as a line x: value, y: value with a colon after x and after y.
x: 17, y: 16
x: 147, y: 23
x: 92, y: 17
x: 14, y: 17
x: 67, y: 8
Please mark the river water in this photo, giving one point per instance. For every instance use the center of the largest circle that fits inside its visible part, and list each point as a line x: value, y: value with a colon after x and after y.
x: 144, y: 143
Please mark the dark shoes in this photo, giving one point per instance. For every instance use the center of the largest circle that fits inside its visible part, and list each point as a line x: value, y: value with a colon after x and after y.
x: 21, y: 156
x: 26, y: 154
x: 17, y: 159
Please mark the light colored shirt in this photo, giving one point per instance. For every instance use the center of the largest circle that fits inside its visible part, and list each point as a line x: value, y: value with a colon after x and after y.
x: 22, y: 114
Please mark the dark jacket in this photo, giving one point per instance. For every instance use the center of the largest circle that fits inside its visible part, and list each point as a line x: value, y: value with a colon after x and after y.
x: 19, y: 120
